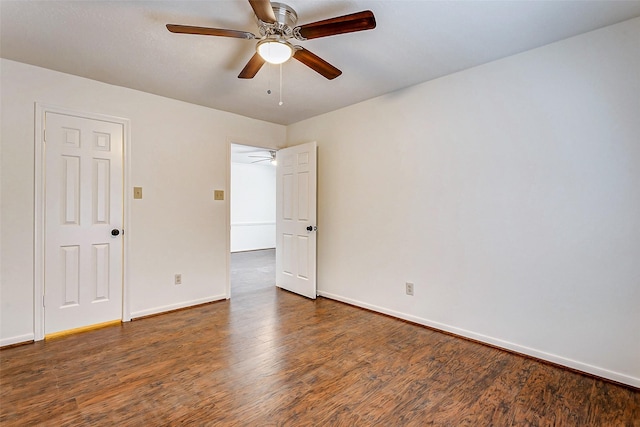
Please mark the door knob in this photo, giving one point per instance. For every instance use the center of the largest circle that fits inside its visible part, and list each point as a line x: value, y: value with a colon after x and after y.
x: 311, y: 228
x: 115, y: 232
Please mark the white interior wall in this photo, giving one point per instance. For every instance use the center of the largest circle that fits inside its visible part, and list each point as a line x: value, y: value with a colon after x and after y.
x: 179, y: 155
x: 253, y: 206
x: 508, y: 194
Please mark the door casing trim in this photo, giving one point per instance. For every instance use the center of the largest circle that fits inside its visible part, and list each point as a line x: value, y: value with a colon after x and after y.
x: 39, y: 208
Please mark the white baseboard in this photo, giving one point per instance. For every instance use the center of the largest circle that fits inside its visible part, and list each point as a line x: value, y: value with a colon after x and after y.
x: 16, y: 340
x: 184, y: 304
x: 553, y: 358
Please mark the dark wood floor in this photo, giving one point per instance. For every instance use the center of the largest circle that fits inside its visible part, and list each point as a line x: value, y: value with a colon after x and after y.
x: 269, y: 357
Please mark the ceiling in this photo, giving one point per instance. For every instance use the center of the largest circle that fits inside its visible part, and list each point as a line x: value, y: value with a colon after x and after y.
x: 125, y: 43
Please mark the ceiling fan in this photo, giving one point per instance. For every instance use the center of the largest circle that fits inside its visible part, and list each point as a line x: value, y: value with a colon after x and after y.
x: 270, y: 158
x: 277, y: 26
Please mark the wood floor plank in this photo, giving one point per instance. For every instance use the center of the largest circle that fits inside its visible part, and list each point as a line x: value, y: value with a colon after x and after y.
x: 609, y: 404
x: 271, y: 358
x: 496, y: 405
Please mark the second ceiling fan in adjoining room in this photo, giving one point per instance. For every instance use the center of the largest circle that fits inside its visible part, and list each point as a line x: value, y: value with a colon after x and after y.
x: 271, y: 158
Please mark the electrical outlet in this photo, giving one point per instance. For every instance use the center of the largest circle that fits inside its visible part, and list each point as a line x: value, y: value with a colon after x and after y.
x: 178, y: 279
x: 409, y: 288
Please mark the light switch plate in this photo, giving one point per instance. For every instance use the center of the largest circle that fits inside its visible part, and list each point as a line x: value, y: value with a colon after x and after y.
x: 137, y: 192
x: 218, y: 195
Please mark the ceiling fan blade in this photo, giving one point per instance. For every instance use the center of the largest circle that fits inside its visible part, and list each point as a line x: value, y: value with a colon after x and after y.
x: 359, y: 21
x: 263, y: 10
x: 253, y: 66
x: 316, y: 63
x: 206, y: 31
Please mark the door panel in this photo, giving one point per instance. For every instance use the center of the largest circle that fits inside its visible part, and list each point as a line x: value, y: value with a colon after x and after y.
x: 83, y: 203
x: 295, y: 211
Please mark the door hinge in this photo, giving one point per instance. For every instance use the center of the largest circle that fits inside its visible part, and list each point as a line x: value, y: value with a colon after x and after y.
x: 44, y: 135
x: 43, y: 301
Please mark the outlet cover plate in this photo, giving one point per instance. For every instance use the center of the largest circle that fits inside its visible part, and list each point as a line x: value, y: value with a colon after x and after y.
x: 409, y: 288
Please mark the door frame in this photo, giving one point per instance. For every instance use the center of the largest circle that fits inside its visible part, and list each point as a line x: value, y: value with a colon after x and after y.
x: 39, y: 209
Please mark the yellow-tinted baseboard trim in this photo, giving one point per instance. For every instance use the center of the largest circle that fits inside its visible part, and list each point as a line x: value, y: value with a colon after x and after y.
x: 81, y: 329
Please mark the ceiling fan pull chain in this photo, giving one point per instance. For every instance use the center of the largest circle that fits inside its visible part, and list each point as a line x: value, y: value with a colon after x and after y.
x: 280, y: 103
x: 269, y: 81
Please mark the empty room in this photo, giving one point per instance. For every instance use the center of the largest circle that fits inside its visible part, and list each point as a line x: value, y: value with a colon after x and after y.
x: 453, y: 237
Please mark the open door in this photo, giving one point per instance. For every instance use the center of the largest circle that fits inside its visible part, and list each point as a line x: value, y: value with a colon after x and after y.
x: 296, y: 219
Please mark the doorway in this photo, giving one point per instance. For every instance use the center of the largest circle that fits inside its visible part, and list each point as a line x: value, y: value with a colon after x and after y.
x: 252, y: 218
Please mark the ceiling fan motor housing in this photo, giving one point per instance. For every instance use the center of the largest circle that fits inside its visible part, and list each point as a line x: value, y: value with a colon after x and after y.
x: 286, y: 19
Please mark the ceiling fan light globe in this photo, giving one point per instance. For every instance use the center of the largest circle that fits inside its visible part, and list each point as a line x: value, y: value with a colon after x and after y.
x: 275, y: 52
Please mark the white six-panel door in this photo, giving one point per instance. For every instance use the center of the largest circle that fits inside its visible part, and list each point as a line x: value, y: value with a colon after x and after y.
x: 296, y: 219
x: 83, y: 209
